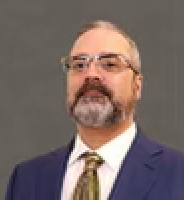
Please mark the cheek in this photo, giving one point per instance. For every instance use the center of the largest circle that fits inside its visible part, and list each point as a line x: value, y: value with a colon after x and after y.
x: 122, y: 89
x: 73, y: 84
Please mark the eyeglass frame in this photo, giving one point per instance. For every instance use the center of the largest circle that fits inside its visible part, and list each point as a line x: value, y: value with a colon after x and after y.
x: 97, y: 57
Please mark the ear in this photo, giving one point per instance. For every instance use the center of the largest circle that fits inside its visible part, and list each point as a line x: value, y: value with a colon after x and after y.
x: 138, y: 84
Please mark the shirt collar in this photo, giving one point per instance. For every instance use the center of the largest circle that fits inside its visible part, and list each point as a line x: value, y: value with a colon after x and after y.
x: 113, y: 152
x: 79, y: 148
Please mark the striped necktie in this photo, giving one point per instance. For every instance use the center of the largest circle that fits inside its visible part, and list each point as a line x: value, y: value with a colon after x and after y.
x: 87, y: 187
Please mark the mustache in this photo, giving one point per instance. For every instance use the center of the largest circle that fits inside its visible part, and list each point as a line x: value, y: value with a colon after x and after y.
x: 92, y: 84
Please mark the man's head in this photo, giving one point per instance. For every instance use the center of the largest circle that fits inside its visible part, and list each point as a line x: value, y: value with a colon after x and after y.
x: 104, y: 76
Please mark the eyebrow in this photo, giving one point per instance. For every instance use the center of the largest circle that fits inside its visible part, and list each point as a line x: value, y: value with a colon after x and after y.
x: 101, y: 53
x: 80, y: 54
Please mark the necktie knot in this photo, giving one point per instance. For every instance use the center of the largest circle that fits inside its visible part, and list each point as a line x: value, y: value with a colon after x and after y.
x: 92, y: 161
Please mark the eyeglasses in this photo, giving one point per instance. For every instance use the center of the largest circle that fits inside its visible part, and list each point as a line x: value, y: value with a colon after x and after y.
x: 110, y: 62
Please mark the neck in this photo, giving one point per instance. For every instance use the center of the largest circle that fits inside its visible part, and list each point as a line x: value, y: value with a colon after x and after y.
x: 97, y: 137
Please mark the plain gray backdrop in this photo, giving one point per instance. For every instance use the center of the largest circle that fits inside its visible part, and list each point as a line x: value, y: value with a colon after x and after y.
x: 35, y: 34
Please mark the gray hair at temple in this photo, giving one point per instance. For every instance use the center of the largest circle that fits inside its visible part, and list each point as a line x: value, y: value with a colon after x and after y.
x: 134, y: 54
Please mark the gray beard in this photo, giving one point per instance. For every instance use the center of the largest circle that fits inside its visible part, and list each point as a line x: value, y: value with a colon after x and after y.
x: 97, y: 112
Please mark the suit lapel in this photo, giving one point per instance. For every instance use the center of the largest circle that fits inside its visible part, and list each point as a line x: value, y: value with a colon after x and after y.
x: 139, y: 170
x: 51, y: 177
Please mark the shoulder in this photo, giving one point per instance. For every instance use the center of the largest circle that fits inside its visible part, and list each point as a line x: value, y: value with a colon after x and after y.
x: 28, y: 171
x: 169, y: 158
x: 33, y: 167
x: 173, y: 159
x: 39, y: 171
x: 44, y: 163
x: 49, y: 159
x: 43, y: 160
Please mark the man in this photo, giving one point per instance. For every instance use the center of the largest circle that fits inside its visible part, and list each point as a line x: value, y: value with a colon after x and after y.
x: 109, y: 158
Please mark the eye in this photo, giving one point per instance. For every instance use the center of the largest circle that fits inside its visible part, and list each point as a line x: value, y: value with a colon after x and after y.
x: 78, y: 65
x: 110, y: 64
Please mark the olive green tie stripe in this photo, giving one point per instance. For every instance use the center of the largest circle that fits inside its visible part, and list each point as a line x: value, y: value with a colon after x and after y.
x: 87, y: 187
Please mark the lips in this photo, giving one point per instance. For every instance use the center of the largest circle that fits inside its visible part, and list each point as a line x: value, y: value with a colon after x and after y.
x: 94, y: 93
x: 93, y: 96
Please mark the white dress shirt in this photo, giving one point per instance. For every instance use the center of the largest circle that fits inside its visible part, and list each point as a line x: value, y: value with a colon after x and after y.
x: 113, y: 153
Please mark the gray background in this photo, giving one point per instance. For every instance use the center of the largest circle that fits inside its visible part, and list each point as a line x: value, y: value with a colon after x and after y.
x: 33, y: 36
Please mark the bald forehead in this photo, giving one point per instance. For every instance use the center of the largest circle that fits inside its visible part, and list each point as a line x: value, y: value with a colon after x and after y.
x: 101, y: 40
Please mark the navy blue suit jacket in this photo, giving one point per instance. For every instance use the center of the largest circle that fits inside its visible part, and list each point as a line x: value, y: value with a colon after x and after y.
x: 150, y: 172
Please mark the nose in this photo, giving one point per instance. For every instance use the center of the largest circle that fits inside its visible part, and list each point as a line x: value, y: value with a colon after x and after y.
x: 94, y: 71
